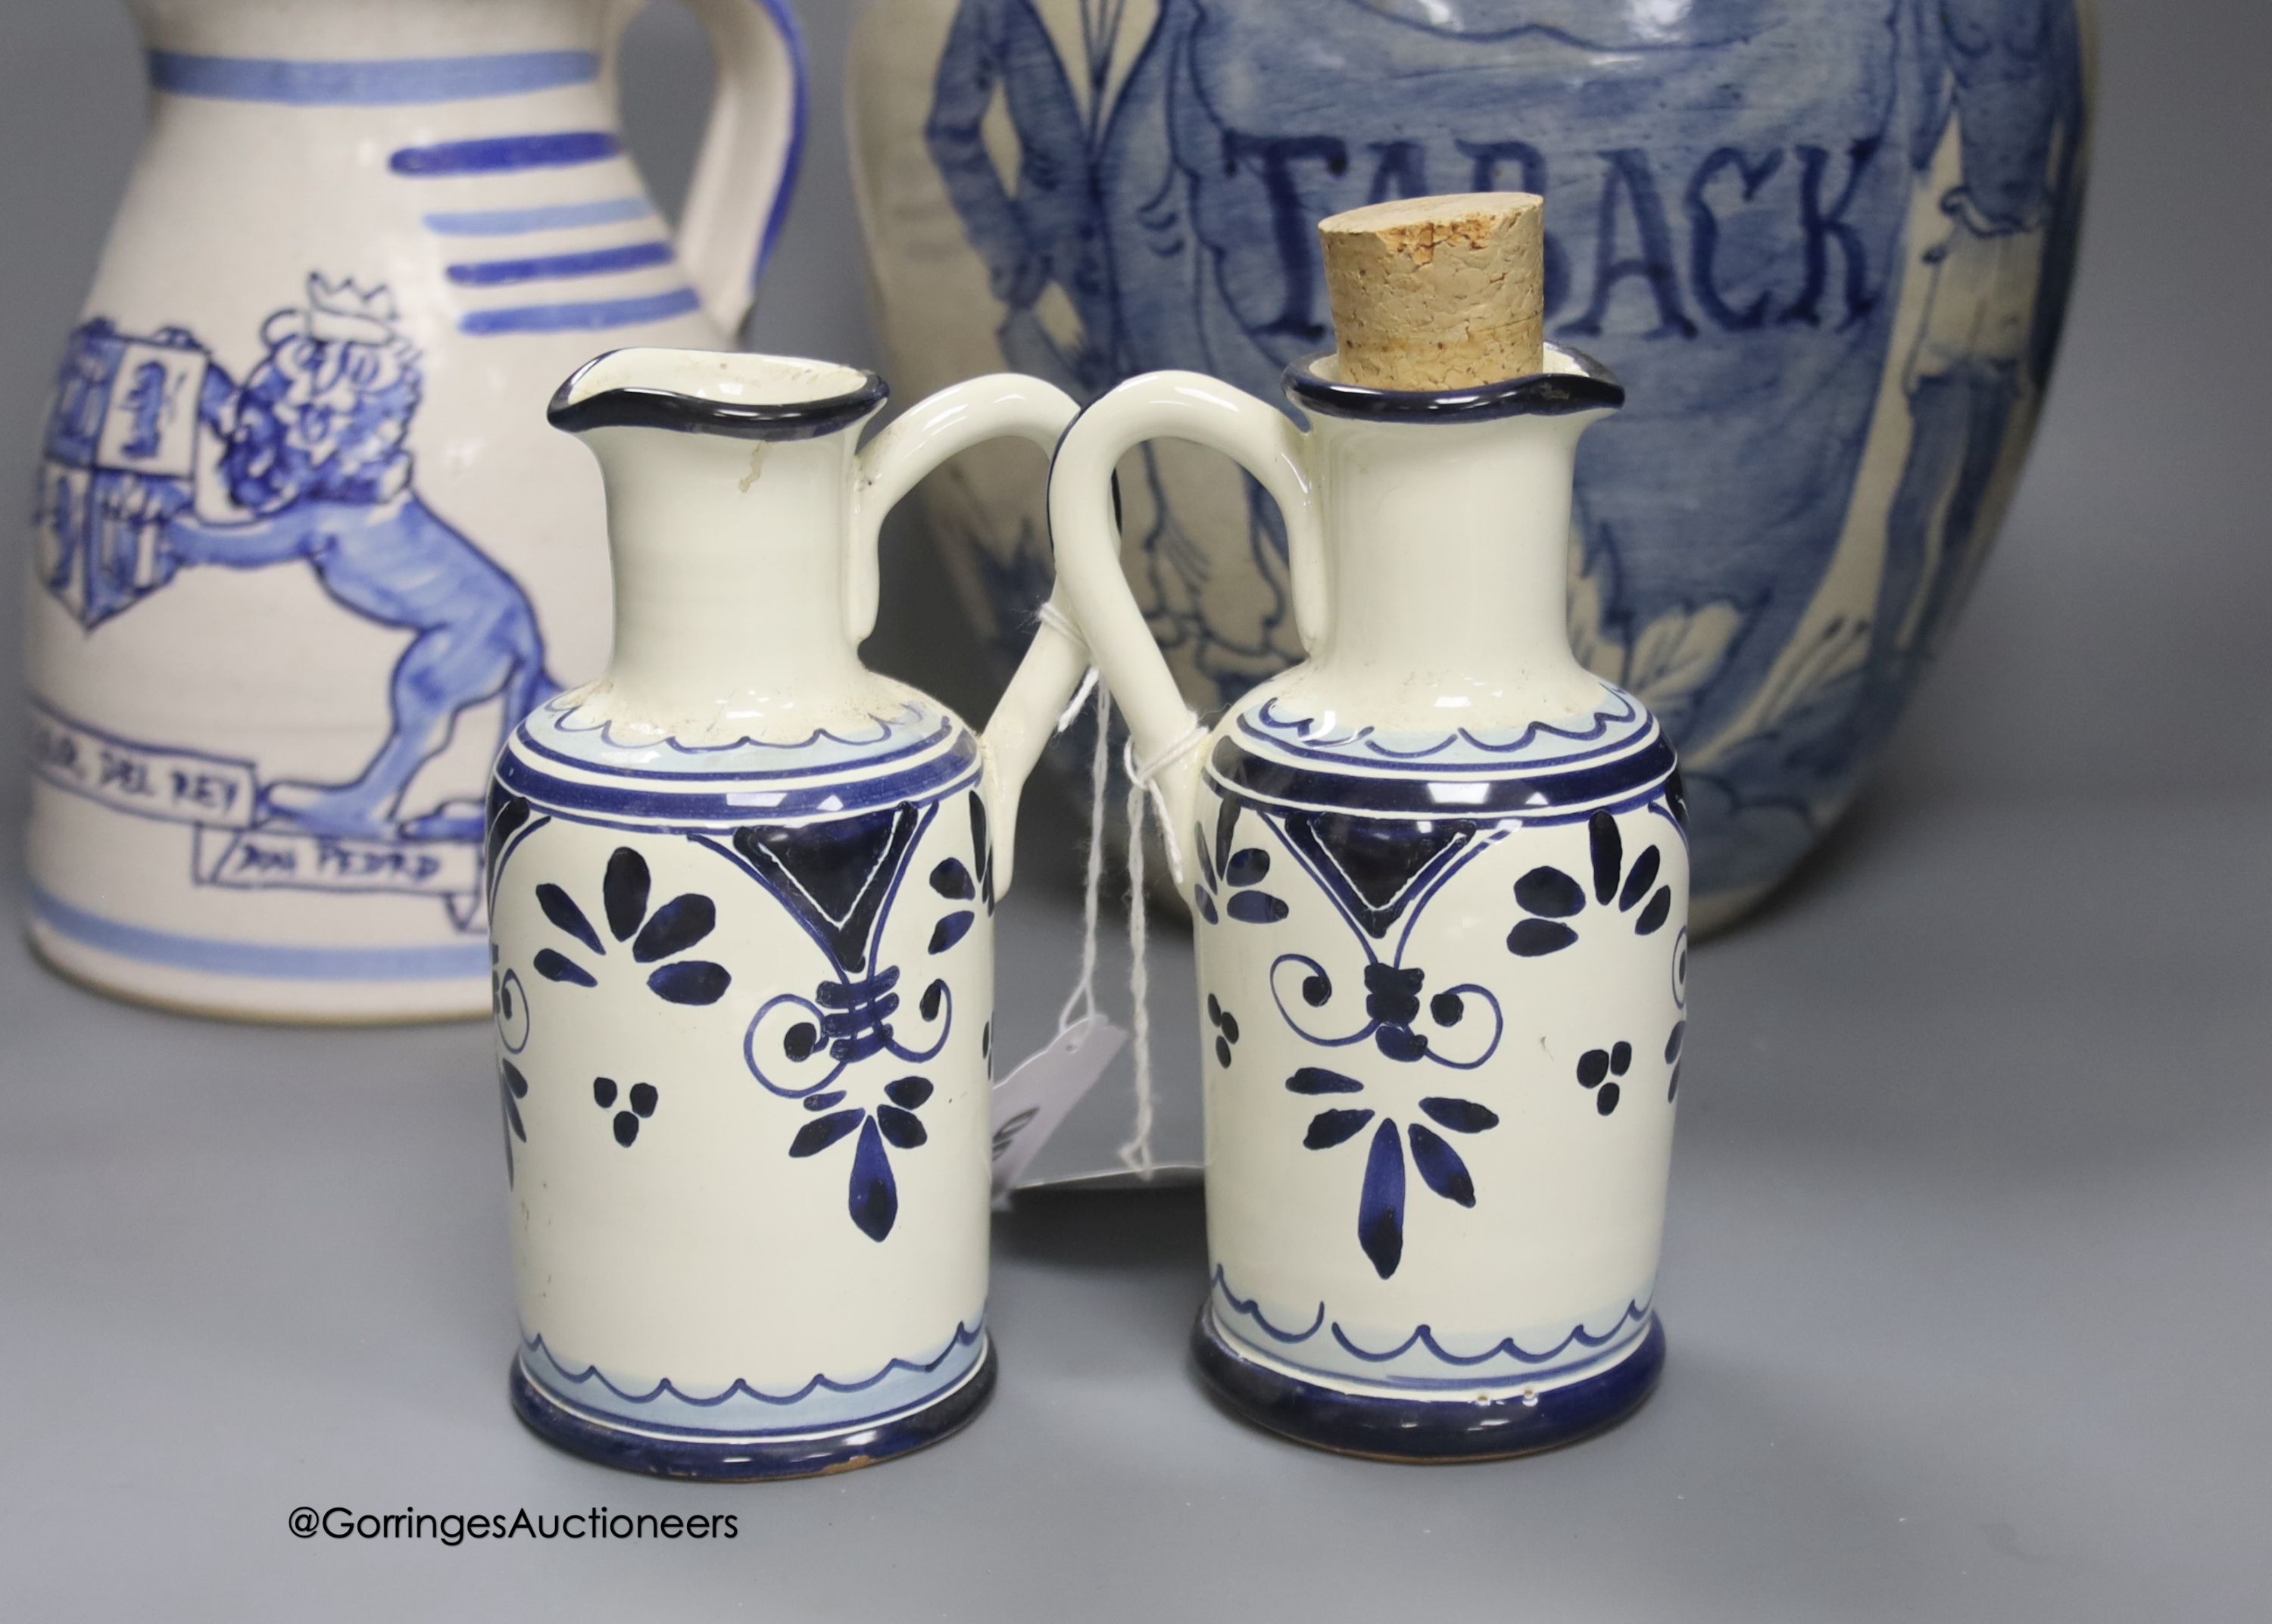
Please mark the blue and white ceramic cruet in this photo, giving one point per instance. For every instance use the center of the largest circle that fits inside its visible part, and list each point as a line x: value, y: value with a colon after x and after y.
x: 1440, y: 874
x: 742, y: 892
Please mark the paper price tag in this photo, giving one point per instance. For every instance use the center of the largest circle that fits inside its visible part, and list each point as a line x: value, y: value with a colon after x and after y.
x: 1032, y: 1101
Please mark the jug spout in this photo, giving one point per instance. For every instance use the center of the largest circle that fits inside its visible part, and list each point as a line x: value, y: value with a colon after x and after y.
x: 728, y: 491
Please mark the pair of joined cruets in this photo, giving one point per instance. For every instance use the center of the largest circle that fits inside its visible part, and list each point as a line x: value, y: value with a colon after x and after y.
x: 742, y: 892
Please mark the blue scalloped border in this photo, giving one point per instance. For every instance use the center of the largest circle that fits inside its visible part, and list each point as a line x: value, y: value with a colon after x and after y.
x: 718, y: 1459
x: 667, y: 1392
x: 1631, y: 1326
x: 1290, y: 735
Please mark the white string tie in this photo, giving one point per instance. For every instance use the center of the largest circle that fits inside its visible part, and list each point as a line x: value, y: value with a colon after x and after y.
x: 1071, y: 714
x: 1083, y: 997
x: 1144, y: 791
x: 1057, y: 621
x: 1144, y: 776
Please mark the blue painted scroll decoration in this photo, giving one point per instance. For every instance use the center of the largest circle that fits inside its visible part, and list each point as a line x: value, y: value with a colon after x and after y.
x: 848, y: 1049
x: 1738, y: 259
x: 158, y: 461
x: 1381, y: 825
x: 840, y: 882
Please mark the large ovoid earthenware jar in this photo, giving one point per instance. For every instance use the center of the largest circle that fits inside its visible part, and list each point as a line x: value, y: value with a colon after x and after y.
x: 1825, y: 243
x: 304, y: 548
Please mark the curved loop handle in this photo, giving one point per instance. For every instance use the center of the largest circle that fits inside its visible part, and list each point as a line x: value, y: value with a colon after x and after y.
x: 893, y: 464
x: 747, y: 169
x: 1176, y: 405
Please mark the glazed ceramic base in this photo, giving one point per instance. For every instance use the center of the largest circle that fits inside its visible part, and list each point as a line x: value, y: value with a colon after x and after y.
x: 749, y: 1460
x: 314, y: 1002
x: 1382, y: 1426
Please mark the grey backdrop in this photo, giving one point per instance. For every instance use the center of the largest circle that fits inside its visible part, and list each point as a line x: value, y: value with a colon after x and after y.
x: 1965, y: 1276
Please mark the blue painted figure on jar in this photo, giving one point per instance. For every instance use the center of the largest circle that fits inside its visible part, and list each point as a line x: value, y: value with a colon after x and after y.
x: 1739, y: 187
x: 307, y: 462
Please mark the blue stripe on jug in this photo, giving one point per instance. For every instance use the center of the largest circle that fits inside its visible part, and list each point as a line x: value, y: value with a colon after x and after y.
x: 800, y: 119
x: 580, y: 316
x: 260, y: 961
x: 551, y: 267
x: 407, y: 81
x: 501, y: 155
x: 550, y: 216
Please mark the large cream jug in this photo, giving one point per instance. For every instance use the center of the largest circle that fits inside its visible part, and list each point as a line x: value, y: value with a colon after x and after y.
x: 305, y: 547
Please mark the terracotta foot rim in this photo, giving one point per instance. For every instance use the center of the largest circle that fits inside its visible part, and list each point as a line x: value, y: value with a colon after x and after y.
x: 1425, y: 1431
x: 743, y: 1460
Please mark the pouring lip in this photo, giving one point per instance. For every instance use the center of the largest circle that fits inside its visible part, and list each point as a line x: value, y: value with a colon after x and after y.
x: 647, y: 406
x: 1574, y: 382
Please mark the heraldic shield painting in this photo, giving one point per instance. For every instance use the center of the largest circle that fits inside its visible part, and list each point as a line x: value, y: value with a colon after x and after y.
x: 158, y: 463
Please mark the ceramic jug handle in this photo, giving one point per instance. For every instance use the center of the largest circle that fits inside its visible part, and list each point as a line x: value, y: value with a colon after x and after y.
x: 893, y: 464
x: 747, y: 169
x: 1171, y: 406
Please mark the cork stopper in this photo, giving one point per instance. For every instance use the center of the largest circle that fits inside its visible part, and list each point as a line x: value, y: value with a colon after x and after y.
x: 1439, y: 293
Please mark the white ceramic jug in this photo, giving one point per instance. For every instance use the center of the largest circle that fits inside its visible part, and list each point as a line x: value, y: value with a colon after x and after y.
x: 305, y: 549
x: 1439, y: 873
x: 742, y: 892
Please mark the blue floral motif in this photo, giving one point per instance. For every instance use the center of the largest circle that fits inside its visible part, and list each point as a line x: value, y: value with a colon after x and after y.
x: 638, y: 1104
x: 1226, y: 1031
x: 1601, y: 1072
x: 676, y: 927
x: 873, y: 1192
x: 840, y: 881
x: 1231, y: 881
x: 954, y: 881
x: 1380, y: 1199
x: 1552, y: 897
x: 513, y: 1088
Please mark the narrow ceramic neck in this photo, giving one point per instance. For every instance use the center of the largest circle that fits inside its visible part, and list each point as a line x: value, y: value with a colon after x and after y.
x: 1446, y: 547
x: 729, y: 579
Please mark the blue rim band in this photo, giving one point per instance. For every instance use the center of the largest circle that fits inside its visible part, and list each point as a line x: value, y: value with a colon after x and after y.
x: 401, y: 81
x: 258, y: 961
x: 1419, y: 1429
x: 1591, y: 387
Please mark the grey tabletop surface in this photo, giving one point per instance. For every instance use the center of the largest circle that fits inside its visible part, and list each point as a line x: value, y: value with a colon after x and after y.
x: 1965, y: 1280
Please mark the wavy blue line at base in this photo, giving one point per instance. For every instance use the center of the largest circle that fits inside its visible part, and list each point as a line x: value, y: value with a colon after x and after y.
x: 746, y: 1461
x: 255, y: 961
x: 1596, y: 1347
x: 965, y: 1335
x: 1419, y: 1430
